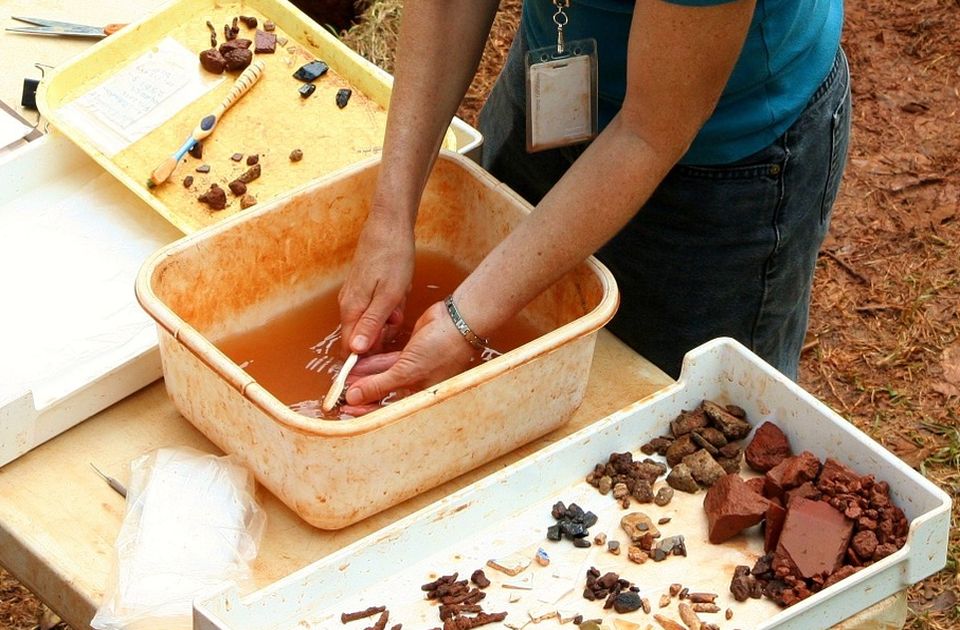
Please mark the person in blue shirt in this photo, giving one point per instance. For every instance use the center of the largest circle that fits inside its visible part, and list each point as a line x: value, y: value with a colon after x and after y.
x: 708, y: 191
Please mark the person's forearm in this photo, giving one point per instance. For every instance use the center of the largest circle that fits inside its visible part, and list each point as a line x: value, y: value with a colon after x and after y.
x: 438, y: 52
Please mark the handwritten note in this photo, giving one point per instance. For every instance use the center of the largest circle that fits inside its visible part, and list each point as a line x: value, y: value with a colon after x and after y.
x: 139, y: 97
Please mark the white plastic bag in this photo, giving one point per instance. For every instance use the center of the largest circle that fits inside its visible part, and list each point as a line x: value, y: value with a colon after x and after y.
x: 192, y: 524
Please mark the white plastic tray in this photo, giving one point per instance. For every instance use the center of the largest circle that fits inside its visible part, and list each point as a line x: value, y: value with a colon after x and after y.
x: 510, y: 511
x: 73, y: 339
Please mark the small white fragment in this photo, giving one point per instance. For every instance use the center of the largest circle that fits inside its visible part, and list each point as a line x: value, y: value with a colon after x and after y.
x: 522, y: 582
x: 516, y: 625
x: 566, y: 616
x: 542, y: 614
x: 511, y: 565
x: 542, y: 558
x: 623, y: 624
x: 514, y: 598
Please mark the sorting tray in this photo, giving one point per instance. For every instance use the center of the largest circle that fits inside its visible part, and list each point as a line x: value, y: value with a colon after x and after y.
x: 73, y: 339
x: 509, y: 511
x: 146, y: 79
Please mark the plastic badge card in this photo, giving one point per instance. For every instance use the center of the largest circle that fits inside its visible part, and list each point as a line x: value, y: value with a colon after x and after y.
x: 561, y: 95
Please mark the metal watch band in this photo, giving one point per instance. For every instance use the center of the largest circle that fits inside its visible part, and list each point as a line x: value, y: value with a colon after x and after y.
x: 472, y: 338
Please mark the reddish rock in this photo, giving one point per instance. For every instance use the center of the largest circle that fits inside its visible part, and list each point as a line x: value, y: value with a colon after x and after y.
x: 756, y: 484
x: 835, y: 477
x: 731, y: 507
x: 768, y: 448
x: 843, y: 572
x: 791, y: 473
x: 814, y: 539
x: 773, y: 525
x: 864, y: 543
x: 715, y: 437
x: 806, y: 490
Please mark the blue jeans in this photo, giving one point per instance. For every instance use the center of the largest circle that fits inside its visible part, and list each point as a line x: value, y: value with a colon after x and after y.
x: 724, y: 250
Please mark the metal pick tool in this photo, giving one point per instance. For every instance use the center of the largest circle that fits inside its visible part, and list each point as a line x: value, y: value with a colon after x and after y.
x: 53, y: 28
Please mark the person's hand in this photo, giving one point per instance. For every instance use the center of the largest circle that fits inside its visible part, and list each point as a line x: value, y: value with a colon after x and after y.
x: 436, y: 351
x: 373, y: 295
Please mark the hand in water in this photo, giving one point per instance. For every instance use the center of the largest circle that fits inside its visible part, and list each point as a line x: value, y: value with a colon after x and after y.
x: 436, y: 351
x: 372, y: 298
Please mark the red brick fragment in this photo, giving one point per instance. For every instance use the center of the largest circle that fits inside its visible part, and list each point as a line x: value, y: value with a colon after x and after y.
x: 773, y: 525
x: 731, y: 507
x: 791, y: 473
x: 814, y: 538
x: 768, y: 448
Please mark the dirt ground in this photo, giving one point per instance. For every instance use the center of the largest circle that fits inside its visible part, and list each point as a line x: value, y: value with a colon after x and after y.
x: 883, y: 347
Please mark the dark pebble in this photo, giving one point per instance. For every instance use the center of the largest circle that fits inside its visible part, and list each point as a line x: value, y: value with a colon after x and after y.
x: 307, y: 89
x: 311, y: 71
x: 343, y: 97
x: 188, y: 181
x: 236, y: 157
x: 252, y: 159
x: 203, y: 168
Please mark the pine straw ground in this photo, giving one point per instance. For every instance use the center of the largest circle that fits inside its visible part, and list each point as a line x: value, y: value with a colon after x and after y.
x: 884, y: 341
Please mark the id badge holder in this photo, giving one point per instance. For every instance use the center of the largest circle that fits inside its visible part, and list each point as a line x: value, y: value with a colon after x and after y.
x: 561, y: 94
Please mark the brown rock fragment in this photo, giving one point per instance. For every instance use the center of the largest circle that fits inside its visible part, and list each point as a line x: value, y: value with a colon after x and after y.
x: 188, y: 181
x: 731, y: 507
x: 637, y: 525
x: 238, y: 188
x: 238, y: 59
x: 296, y: 155
x: 791, y: 473
x: 729, y: 465
x: 768, y: 448
x: 732, y: 427
x: 756, y: 484
x: 714, y: 436
x: 269, y: 26
x: 234, y: 44
x: 680, y: 448
x: 864, y: 544
x: 250, y: 174
x: 215, y: 198
x: 688, y: 421
x: 680, y: 478
x: 664, y: 496
x: 252, y: 159
x: 814, y: 539
x: 265, y: 43
x: 197, y: 150
x: 704, y: 468
x: 247, y: 201
x: 213, y: 61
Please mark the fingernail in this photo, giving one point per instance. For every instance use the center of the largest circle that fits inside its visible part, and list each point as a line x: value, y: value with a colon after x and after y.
x: 359, y: 344
x: 354, y: 396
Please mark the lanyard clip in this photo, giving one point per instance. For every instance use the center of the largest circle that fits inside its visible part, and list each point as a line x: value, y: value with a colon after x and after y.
x: 561, y: 19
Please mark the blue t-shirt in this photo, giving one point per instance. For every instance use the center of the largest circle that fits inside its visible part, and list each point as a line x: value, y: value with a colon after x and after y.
x: 789, y: 50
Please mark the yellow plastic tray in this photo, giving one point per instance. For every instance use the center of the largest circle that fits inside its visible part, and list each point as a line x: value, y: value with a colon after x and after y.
x: 271, y: 120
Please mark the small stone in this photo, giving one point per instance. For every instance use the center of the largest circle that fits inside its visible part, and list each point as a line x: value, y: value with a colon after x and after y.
x: 247, y: 201
x: 636, y: 554
x: 729, y: 466
x: 733, y: 450
x: 605, y: 484
x: 307, y: 89
x: 343, y: 97
x: 704, y: 443
x: 236, y: 157
x: 643, y: 491
x: 250, y: 174
x: 215, y: 198
x: 311, y: 71
x: 675, y: 589
x: 688, y: 616
x: 249, y: 21
x: 197, y: 150
x: 620, y: 491
x: 664, y: 496
x: 714, y: 436
x: 296, y: 155
x: 613, y: 546
x: 213, y: 61
x: 645, y: 604
x: 252, y: 159
x: 265, y: 43
x: 582, y: 543
x: 658, y: 445
x: 234, y: 44
x: 768, y: 448
x: 864, y: 544
x: 269, y: 26
x: 238, y: 188
x: 627, y: 602
x: 705, y: 608
x: 203, y: 168
x: 664, y: 600
x: 238, y: 59
x: 600, y: 539
x: 638, y: 524
x: 664, y: 520
x: 553, y: 532
x: 728, y: 615
x: 682, y: 479
x: 480, y: 578
x: 188, y: 181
